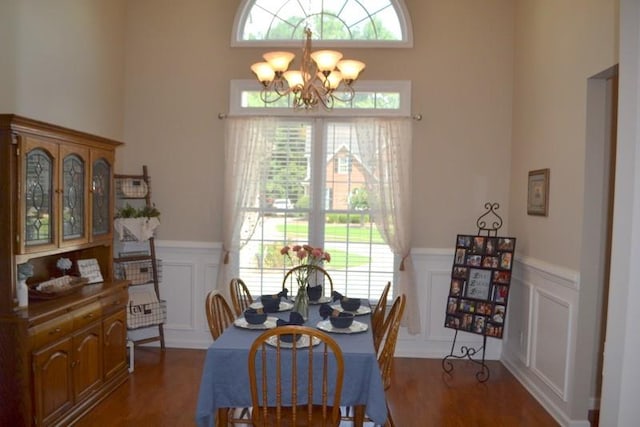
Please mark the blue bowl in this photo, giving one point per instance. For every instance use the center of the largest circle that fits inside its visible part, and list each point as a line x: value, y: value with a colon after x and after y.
x: 254, y: 318
x: 270, y: 305
x: 342, y: 320
x: 350, y: 304
x: 288, y: 338
x: 314, y: 292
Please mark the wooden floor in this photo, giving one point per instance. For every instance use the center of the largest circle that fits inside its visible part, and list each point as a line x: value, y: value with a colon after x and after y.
x: 163, y: 390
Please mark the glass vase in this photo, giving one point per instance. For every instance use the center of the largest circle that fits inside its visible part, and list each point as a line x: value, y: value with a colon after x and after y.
x: 301, y: 302
x: 22, y: 292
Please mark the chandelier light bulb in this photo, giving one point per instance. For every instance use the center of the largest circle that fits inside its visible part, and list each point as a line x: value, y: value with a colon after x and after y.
x: 263, y: 72
x: 326, y: 60
x: 332, y: 81
x: 279, y: 61
x: 350, y: 69
x: 294, y: 79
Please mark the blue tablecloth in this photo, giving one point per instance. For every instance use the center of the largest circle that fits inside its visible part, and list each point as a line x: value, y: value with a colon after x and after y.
x: 225, y: 377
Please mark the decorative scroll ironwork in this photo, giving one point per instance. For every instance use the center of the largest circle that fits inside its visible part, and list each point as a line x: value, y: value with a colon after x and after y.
x: 481, y: 222
x: 468, y: 353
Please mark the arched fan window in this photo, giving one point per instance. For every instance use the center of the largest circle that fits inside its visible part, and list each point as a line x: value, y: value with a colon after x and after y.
x: 371, y: 23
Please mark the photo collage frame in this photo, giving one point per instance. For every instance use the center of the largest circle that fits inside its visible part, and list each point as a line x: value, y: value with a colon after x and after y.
x: 480, y: 280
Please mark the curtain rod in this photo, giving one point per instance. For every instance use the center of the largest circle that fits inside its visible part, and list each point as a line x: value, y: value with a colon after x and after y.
x: 417, y: 117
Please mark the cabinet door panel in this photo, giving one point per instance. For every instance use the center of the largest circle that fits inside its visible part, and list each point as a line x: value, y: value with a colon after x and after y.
x: 74, y: 191
x: 87, y: 361
x: 53, y: 384
x: 38, y: 207
x: 115, y: 342
x: 102, y: 193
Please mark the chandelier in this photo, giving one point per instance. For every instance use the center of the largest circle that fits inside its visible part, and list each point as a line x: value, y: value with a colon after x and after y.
x: 323, y: 77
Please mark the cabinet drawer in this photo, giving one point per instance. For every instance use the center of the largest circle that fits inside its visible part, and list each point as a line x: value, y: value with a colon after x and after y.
x: 86, y: 315
x: 115, y: 301
x: 51, y: 331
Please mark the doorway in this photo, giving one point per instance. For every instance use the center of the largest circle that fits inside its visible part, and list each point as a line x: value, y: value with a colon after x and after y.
x: 600, y: 167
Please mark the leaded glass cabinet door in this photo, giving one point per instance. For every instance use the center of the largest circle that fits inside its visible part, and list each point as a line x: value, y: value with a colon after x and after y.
x: 102, y: 195
x: 73, y: 196
x: 39, y: 202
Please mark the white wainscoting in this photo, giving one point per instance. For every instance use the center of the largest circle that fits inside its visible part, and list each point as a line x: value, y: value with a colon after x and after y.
x: 542, y: 325
x: 190, y: 270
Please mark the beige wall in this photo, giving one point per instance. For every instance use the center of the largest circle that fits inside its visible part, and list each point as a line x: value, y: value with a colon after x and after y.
x: 7, y: 56
x: 179, y: 64
x: 67, y: 63
x: 559, y: 46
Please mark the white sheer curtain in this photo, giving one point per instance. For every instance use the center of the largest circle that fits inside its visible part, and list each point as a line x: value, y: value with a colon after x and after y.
x: 385, y: 148
x: 247, y: 150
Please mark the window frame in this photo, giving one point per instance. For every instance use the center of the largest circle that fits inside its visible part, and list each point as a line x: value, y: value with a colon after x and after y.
x: 399, y: 6
x: 402, y: 87
x: 317, y: 235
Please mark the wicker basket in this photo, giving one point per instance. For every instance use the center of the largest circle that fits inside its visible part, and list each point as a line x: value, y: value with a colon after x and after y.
x: 138, y: 272
x: 72, y: 285
x: 144, y: 309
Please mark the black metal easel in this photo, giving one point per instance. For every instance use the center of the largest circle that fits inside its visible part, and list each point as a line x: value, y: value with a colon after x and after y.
x: 469, y: 352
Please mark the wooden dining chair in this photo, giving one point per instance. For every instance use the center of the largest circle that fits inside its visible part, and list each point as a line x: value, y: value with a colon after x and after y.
x: 305, y: 381
x: 240, y: 296
x: 389, y: 339
x: 317, y: 276
x: 219, y: 315
x: 377, y: 317
x: 389, y: 336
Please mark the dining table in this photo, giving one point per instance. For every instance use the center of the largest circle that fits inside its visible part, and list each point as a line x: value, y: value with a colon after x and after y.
x: 224, y: 382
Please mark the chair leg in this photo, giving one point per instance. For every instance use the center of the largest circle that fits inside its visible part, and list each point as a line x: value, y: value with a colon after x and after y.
x: 389, y: 422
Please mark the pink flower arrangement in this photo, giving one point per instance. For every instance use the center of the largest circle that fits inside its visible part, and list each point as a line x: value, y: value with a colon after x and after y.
x: 305, y: 255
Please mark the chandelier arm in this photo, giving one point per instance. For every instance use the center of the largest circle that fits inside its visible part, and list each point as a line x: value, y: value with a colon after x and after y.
x: 348, y: 92
x: 322, y: 96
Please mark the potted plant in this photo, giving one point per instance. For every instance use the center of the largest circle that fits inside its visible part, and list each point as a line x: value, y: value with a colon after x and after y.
x: 139, y: 224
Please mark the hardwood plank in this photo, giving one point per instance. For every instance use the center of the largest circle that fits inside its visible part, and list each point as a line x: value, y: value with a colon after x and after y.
x: 163, y: 390
x: 422, y: 394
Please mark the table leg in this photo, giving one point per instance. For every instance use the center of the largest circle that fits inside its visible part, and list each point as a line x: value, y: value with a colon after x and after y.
x: 222, y: 417
x: 358, y: 415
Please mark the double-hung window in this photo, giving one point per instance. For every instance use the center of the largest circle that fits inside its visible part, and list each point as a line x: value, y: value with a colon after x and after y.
x: 325, y: 207
x: 314, y: 189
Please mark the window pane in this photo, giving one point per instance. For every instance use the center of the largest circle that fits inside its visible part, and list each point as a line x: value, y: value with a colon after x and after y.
x: 361, y: 263
x: 368, y: 260
x: 285, y: 211
x: 328, y: 19
x: 250, y: 99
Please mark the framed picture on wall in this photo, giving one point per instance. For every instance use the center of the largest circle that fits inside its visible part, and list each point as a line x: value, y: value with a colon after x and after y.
x: 538, y: 192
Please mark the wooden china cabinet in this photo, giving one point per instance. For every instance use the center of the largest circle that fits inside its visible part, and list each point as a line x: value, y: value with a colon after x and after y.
x: 63, y: 353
